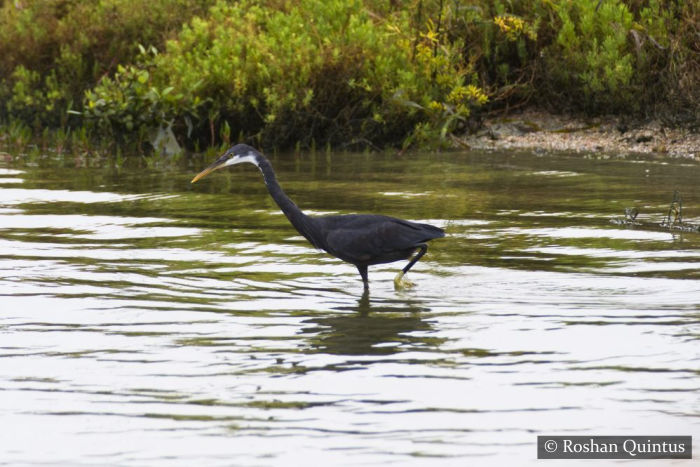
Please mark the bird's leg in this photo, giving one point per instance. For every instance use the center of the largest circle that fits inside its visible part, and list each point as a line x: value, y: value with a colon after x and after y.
x: 363, y: 273
x: 399, y: 281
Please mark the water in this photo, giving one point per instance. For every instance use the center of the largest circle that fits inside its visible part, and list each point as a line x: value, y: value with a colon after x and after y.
x: 147, y: 321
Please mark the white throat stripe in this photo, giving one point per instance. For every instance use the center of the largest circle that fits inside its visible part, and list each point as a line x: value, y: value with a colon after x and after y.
x: 250, y: 157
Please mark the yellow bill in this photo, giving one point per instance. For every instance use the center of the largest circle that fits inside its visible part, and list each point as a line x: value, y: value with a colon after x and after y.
x: 216, y: 165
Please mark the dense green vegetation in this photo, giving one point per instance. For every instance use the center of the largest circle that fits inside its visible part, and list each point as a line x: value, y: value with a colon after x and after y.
x: 337, y: 72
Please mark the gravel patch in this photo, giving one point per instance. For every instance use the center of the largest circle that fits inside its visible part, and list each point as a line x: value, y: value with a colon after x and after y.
x: 547, y: 132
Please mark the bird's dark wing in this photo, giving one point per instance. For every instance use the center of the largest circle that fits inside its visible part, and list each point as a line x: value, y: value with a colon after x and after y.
x: 377, y: 239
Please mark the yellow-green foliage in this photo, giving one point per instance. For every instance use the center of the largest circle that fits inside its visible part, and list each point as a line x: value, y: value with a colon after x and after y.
x: 591, y: 53
x: 306, y: 70
x: 667, y: 49
x: 53, y: 50
x: 624, y: 56
x: 366, y: 72
x: 502, y: 42
x: 128, y: 103
x: 31, y: 96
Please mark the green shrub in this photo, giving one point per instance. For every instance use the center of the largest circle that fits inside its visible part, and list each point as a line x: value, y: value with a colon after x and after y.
x: 358, y: 72
x: 590, y: 54
x: 665, y: 41
x: 64, y: 47
x: 33, y: 99
x: 128, y: 104
x: 502, y: 41
x: 308, y: 71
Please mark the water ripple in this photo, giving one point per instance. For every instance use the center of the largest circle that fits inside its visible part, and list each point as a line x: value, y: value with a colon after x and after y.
x: 137, y: 325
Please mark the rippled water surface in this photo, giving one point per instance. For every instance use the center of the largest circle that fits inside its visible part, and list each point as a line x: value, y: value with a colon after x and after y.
x: 147, y: 321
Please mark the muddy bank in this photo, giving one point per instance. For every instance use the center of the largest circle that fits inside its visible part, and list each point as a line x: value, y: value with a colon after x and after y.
x: 614, y: 135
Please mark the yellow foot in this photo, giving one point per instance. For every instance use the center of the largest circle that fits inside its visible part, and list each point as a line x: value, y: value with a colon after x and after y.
x: 401, y: 283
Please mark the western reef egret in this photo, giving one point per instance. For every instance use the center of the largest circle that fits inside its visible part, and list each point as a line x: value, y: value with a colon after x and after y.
x: 359, y: 239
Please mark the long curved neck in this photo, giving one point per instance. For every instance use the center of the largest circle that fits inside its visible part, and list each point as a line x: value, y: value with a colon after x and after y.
x: 300, y: 221
x: 287, y: 206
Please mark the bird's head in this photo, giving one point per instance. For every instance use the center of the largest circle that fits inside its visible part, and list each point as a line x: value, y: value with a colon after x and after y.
x: 237, y: 154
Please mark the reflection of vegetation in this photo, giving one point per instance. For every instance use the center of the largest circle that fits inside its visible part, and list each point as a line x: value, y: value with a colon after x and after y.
x: 367, y: 72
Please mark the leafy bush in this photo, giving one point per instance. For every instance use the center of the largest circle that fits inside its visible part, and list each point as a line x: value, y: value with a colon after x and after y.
x: 501, y: 40
x: 315, y: 71
x: 53, y: 50
x: 34, y: 99
x: 590, y: 54
x: 665, y: 40
x: 629, y: 57
x: 126, y: 104
x: 358, y: 72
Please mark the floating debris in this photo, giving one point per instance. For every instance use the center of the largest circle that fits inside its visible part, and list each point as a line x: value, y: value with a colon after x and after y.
x: 673, y: 220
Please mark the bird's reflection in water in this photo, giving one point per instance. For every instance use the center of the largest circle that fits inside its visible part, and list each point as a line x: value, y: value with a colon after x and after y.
x: 373, y: 328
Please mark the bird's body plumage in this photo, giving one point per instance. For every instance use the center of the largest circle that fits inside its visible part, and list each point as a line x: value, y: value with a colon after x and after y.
x: 368, y: 239
x: 359, y: 239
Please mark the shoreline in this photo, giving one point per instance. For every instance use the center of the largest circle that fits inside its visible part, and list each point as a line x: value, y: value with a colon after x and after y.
x: 607, y: 134
x: 533, y: 130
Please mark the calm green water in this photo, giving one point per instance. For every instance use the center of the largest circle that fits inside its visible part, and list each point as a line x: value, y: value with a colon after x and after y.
x: 146, y: 321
